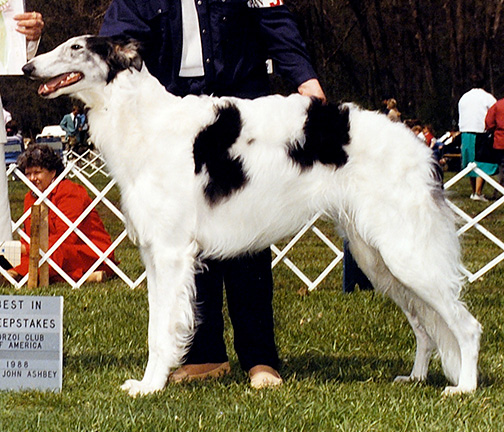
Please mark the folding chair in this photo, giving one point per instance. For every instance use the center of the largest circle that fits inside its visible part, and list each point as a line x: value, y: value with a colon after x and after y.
x: 13, y: 148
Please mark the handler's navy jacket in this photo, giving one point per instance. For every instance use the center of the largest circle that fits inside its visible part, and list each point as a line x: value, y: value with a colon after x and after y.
x: 236, y: 36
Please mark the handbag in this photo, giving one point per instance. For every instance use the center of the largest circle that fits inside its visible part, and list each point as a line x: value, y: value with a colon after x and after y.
x: 483, y: 148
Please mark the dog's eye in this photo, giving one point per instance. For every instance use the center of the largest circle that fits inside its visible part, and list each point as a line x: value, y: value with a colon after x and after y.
x: 76, y: 47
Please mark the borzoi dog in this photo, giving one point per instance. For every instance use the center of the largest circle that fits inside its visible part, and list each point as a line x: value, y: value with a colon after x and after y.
x: 203, y: 176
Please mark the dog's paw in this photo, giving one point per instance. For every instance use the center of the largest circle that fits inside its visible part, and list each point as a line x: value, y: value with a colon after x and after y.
x: 408, y: 379
x: 457, y: 390
x: 139, y: 388
x: 402, y: 379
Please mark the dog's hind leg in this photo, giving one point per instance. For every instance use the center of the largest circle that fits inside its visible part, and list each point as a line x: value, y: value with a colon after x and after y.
x: 383, y: 281
x: 424, y: 348
x: 170, y: 279
x: 426, y: 264
x: 438, y: 319
x: 448, y: 323
x: 457, y: 343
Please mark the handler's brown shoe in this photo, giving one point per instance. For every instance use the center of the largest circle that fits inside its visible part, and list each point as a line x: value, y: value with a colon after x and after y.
x: 192, y: 372
x: 264, y: 376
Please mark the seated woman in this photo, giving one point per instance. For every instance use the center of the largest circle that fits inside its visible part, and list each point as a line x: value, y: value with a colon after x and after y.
x: 42, y: 165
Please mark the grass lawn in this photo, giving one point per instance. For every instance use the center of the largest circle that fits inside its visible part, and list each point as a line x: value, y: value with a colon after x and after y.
x: 340, y: 354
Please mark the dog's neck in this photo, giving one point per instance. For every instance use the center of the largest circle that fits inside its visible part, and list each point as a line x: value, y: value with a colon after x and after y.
x: 127, y: 84
x: 120, y: 109
x: 92, y: 98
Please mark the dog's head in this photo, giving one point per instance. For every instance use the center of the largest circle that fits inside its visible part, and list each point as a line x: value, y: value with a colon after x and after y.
x: 83, y: 62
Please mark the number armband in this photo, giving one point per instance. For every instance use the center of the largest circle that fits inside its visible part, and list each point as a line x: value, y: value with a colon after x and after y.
x: 264, y: 3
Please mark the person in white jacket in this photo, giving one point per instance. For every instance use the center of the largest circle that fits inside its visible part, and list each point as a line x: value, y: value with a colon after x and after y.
x: 473, y: 107
x: 30, y: 24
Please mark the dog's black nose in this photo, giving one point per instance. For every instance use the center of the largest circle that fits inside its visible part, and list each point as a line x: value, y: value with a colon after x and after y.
x: 28, y: 69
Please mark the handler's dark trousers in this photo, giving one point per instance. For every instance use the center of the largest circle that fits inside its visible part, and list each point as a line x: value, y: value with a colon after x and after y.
x: 249, y: 291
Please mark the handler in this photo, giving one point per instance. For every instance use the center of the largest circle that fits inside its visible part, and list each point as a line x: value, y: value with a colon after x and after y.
x: 30, y: 24
x: 220, y: 47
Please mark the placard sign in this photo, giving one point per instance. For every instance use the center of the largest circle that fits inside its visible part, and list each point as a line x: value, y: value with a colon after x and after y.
x: 12, y: 43
x: 31, y: 343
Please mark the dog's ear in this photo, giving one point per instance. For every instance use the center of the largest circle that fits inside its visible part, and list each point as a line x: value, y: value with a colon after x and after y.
x: 119, y: 52
x: 127, y: 54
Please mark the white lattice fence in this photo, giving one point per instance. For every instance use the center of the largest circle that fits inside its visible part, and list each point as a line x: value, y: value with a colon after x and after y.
x: 82, y: 168
x: 470, y: 222
x: 281, y: 255
x: 466, y: 221
x: 86, y: 166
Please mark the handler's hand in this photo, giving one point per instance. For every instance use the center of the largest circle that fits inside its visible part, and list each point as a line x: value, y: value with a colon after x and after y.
x: 30, y: 24
x: 312, y: 88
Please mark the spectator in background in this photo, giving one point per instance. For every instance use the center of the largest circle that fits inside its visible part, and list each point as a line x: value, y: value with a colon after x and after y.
x: 417, y: 130
x: 428, y: 133
x: 12, y: 129
x: 42, y: 165
x: 70, y: 124
x: 82, y: 131
x: 437, y: 148
x: 392, y: 111
x: 473, y: 107
x: 494, y: 122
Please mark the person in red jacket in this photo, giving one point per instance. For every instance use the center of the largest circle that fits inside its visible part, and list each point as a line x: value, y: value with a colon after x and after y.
x: 42, y: 165
x: 494, y: 122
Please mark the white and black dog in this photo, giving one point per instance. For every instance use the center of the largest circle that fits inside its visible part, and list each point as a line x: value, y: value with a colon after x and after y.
x: 218, y: 177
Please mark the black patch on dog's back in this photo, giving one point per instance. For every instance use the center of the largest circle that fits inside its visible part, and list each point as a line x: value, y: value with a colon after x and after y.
x: 326, y: 132
x: 211, y: 150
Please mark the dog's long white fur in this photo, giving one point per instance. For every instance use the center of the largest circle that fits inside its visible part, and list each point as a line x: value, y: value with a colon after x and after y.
x: 384, y: 198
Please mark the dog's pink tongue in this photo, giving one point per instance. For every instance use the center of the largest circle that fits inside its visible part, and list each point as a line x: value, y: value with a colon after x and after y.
x: 60, y: 81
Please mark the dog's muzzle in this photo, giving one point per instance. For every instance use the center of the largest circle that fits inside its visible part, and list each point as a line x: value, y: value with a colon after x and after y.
x: 28, y: 69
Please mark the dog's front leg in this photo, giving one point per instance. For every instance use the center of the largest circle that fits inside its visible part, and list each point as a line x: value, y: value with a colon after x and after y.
x: 170, y: 280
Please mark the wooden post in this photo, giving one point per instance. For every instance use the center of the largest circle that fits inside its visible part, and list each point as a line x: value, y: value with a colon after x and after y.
x: 39, y: 239
x: 34, y: 247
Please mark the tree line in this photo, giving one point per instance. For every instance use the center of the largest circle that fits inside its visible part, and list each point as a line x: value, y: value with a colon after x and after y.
x: 420, y: 52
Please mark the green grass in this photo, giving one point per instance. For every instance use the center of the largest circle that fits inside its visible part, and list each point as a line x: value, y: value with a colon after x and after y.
x: 339, y: 355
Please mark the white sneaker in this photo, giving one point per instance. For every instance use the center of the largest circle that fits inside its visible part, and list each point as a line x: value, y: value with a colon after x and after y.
x: 477, y: 197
